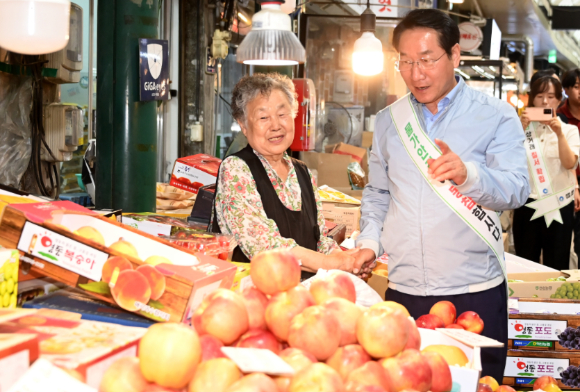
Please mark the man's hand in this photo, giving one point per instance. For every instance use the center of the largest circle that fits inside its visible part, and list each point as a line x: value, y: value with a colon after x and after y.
x: 366, y: 259
x: 448, y: 166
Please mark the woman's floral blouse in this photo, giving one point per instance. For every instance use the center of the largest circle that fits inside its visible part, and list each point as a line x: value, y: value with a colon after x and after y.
x: 240, y: 212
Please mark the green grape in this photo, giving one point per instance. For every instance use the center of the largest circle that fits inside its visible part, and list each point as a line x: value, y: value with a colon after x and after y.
x: 569, y: 288
x: 558, y: 296
x: 10, y: 285
x: 576, y: 286
x: 570, y: 295
x: 5, y: 300
x: 553, y: 296
x: 575, y: 292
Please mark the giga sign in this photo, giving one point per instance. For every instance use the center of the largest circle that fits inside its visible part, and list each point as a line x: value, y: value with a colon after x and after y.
x: 153, y: 69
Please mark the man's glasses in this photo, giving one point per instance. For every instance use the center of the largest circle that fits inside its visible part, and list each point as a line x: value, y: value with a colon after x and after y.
x: 405, y: 66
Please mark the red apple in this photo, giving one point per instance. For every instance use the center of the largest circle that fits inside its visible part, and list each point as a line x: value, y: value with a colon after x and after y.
x: 392, y: 305
x: 445, y: 310
x: 275, y: 271
x: 259, y: 338
x: 353, y: 386
x: 316, y: 377
x: 541, y: 383
x: 256, y: 303
x: 125, y: 373
x: 210, y: 347
x: 370, y: 374
x: 410, y: 370
x: 336, y: 284
x: 382, y: 332
x: 454, y: 326
x: 283, y: 307
x: 505, y: 388
x: 315, y: 330
x: 441, y: 381
x: 429, y: 321
x: 215, y: 375
x: 298, y: 359
x: 348, y: 314
x: 483, y: 388
x: 348, y: 358
x: 494, y: 384
x: 222, y: 314
x: 255, y: 382
x: 471, y: 322
x: 414, y: 340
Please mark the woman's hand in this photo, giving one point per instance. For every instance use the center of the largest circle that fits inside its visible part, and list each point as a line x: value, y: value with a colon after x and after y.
x: 345, y: 261
x: 554, y: 125
x: 525, y: 120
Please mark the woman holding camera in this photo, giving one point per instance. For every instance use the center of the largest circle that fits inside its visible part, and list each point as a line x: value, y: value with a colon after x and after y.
x: 546, y: 222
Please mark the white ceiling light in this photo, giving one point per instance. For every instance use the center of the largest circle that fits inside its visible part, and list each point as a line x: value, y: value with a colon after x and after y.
x: 367, y: 56
x: 456, y: 1
x: 34, y: 26
x: 271, y: 41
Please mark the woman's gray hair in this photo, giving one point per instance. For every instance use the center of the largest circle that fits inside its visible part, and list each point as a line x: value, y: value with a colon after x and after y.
x: 250, y: 87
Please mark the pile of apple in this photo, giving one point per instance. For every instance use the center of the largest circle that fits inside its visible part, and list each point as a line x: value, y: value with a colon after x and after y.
x: 544, y: 383
x: 331, y: 343
x: 442, y: 315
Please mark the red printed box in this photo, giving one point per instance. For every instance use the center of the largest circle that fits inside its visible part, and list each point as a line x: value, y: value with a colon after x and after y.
x: 193, y: 172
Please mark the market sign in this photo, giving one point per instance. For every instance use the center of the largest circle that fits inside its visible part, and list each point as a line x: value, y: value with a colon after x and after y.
x: 470, y: 36
x: 535, y: 367
x: 153, y: 69
x: 381, y: 8
x: 535, y: 329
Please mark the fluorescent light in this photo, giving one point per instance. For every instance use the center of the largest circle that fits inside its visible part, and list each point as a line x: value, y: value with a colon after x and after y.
x: 460, y: 72
x: 456, y: 1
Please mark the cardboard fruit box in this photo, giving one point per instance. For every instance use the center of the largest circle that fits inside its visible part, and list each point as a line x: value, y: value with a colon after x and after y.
x: 17, y: 353
x: 536, y: 284
x: 524, y: 367
x: 160, y: 280
x: 193, y: 172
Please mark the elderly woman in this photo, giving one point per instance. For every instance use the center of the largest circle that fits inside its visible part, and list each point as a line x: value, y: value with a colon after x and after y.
x: 265, y: 198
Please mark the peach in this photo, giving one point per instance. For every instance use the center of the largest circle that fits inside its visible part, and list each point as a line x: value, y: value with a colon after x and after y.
x: 298, y: 359
x: 483, y: 388
x: 336, y: 284
x: 441, y: 381
x: 256, y: 303
x: 454, y: 326
x: 316, y: 330
x: 392, y: 305
x: 255, y: 382
x: 471, y: 322
x: 353, y: 386
x: 123, y: 375
x: 210, y: 347
x: 445, y: 310
x: 348, y: 358
x: 159, y: 388
x: 222, y: 314
x: 347, y: 313
x: 125, y: 247
x: 316, y: 377
x: 215, y: 375
x: 92, y: 234
x: 414, y: 340
x: 383, y: 332
x: 488, y: 380
x: 410, y: 370
x: 155, y: 278
x: 369, y: 374
x: 429, y: 321
x: 505, y: 388
x: 453, y: 355
x: 541, y: 383
x: 130, y: 287
x: 111, y: 264
x: 275, y: 271
x: 283, y: 307
x: 259, y: 338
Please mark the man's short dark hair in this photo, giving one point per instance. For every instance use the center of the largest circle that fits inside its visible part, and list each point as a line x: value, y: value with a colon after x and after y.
x: 430, y: 19
x: 570, y: 78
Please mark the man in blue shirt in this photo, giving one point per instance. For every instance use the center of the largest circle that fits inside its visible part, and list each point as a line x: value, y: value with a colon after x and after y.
x: 433, y: 254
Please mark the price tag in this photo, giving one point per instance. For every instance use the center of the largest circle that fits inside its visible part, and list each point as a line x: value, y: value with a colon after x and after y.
x: 256, y: 360
x: 469, y: 338
x: 62, y: 251
x: 43, y: 376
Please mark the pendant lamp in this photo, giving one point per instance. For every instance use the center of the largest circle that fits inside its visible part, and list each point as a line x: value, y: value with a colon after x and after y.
x: 367, y: 56
x: 271, y: 40
x: 34, y: 26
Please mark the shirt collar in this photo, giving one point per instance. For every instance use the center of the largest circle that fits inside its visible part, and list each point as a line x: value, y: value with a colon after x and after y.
x: 566, y: 110
x: 449, y: 97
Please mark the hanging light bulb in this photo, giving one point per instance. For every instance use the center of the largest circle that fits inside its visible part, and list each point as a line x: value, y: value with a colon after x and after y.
x: 367, y: 56
x: 34, y: 26
x: 271, y: 41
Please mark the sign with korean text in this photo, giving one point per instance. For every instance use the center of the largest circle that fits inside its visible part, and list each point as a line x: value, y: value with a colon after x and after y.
x: 535, y: 329
x: 535, y: 367
x: 381, y: 8
x: 470, y: 36
x: 62, y: 251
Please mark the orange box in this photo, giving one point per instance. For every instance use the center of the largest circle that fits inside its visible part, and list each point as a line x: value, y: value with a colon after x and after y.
x: 193, y: 172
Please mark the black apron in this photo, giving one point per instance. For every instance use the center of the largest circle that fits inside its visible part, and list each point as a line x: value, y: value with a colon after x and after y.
x: 301, y: 226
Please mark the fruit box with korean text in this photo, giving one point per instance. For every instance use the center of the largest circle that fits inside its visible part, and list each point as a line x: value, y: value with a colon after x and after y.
x: 193, y: 172
x: 537, y: 285
x: 544, y: 332
x: 17, y: 353
x: 524, y: 367
x: 115, y: 263
x: 88, y: 347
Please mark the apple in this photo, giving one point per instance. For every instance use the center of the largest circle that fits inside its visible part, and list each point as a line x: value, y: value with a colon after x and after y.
x: 382, y: 332
x: 392, y: 305
x: 410, y: 370
x: 256, y: 303
x: 353, y: 386
x: 348, y: 358
x: 454, y: 326
x: 483, y: 388
x: 316, y: 330
x: 210, y: 347
x: 275, y: 271
x: 429, y: 321
x: 454, y: 356
x: 471, y: 322
x: 336, y: 284
x: 255, y: 382
x: 215, y: 375
x: 316, y: 377
x: 441, y: 381
x: 347, y: 313
x: 123, y: 375
x: 369, y: 374
x: 414, y: 340
x: 488, y: 380
x: 159, y: 388
x: 222, y: 314
x: 540, y: 383
x: 282, y: 308
x: 259, y: 338
x: 445, y: 310
x: 505, y: 388
x: 298, y: 359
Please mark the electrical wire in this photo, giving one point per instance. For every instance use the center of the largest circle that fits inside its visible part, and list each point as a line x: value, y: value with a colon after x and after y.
x: 349, y: 117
